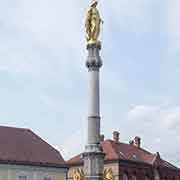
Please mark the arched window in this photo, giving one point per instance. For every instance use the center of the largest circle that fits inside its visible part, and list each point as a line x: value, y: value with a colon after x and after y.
x: 125, y: 176
x: 133, y: 177
x: 156, y: 175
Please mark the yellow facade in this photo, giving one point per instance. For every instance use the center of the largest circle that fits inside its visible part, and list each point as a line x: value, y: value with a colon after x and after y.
x: 12, y: 172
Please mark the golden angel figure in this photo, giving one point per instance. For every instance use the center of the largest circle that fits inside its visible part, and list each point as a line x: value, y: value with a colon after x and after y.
x: 108, y: 174
x: 78, y: 174
x: 92, y: 24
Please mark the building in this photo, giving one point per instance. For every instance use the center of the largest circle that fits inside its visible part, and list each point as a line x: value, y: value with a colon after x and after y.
x: 130, y: 162
x: 25, y: 156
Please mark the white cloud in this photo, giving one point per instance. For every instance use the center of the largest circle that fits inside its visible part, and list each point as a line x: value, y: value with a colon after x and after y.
x: 167, y: 116
x: 172, y: 119
x: 51, y: 22
x: 173, y: 23
x: 38, y: 35
x: 41, y: 36
x: 133, y: 16
x: 143, y: 113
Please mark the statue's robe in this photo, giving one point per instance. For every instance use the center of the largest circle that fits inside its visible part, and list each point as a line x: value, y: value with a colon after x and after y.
x: 92, y: 24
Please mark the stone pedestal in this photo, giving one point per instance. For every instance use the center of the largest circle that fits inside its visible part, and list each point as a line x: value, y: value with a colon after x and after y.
x: 93, y: 155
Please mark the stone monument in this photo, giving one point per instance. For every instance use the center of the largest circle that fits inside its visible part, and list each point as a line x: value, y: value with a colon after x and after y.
x: 93, y: 156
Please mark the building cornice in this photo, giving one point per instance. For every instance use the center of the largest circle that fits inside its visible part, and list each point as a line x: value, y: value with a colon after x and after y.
x: 33, y: 164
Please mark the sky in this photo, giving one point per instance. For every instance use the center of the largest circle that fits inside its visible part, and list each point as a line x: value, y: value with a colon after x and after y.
x: 44, y: 79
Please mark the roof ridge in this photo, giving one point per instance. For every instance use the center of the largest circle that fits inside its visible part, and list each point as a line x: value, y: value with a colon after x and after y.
x: 173, y: 166
x: 14, y: 127
x: 142, y: 149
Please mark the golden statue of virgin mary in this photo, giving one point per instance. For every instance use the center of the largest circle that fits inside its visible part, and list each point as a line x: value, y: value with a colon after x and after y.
x: 92, y: 24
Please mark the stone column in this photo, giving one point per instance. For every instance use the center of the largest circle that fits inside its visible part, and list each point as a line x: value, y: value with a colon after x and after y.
x: 93, y: 156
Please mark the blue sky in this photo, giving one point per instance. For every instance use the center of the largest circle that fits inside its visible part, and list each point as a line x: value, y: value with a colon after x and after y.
x: 44, y: 81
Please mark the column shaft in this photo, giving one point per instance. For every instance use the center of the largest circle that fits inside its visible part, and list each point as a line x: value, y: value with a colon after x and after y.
x: 93, y: 156
x: 94, y: 108
x: 94, y: 105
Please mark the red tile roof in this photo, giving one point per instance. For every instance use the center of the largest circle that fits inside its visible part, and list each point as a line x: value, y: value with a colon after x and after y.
x: 121, y: 151
x: 22, y: 146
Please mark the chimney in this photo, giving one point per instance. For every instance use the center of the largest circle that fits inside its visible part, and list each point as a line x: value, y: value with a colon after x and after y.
x: 101, y: 137
x: 158, y: 155
x: 116, y: 136
x: 137, y: 141
x: 131, y: 142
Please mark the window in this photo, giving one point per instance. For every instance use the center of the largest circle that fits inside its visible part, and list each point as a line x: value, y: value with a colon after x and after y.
x: 47, y: 178
x: 134, y: 178
x: 22, y: 178
x: 156, y: 175
x: 125, y: 177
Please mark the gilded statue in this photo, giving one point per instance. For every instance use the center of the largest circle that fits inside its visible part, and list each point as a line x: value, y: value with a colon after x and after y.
x: 108, y: 174
x: 78, y: 174
x: 93, y: 23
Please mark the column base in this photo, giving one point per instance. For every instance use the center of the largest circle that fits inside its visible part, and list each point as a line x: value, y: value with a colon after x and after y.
x: 94, y: 177
x: 93, y: 165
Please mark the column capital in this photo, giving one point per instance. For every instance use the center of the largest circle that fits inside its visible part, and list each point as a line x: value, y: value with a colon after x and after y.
x: 93, y: 62
x: 94, y: 45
